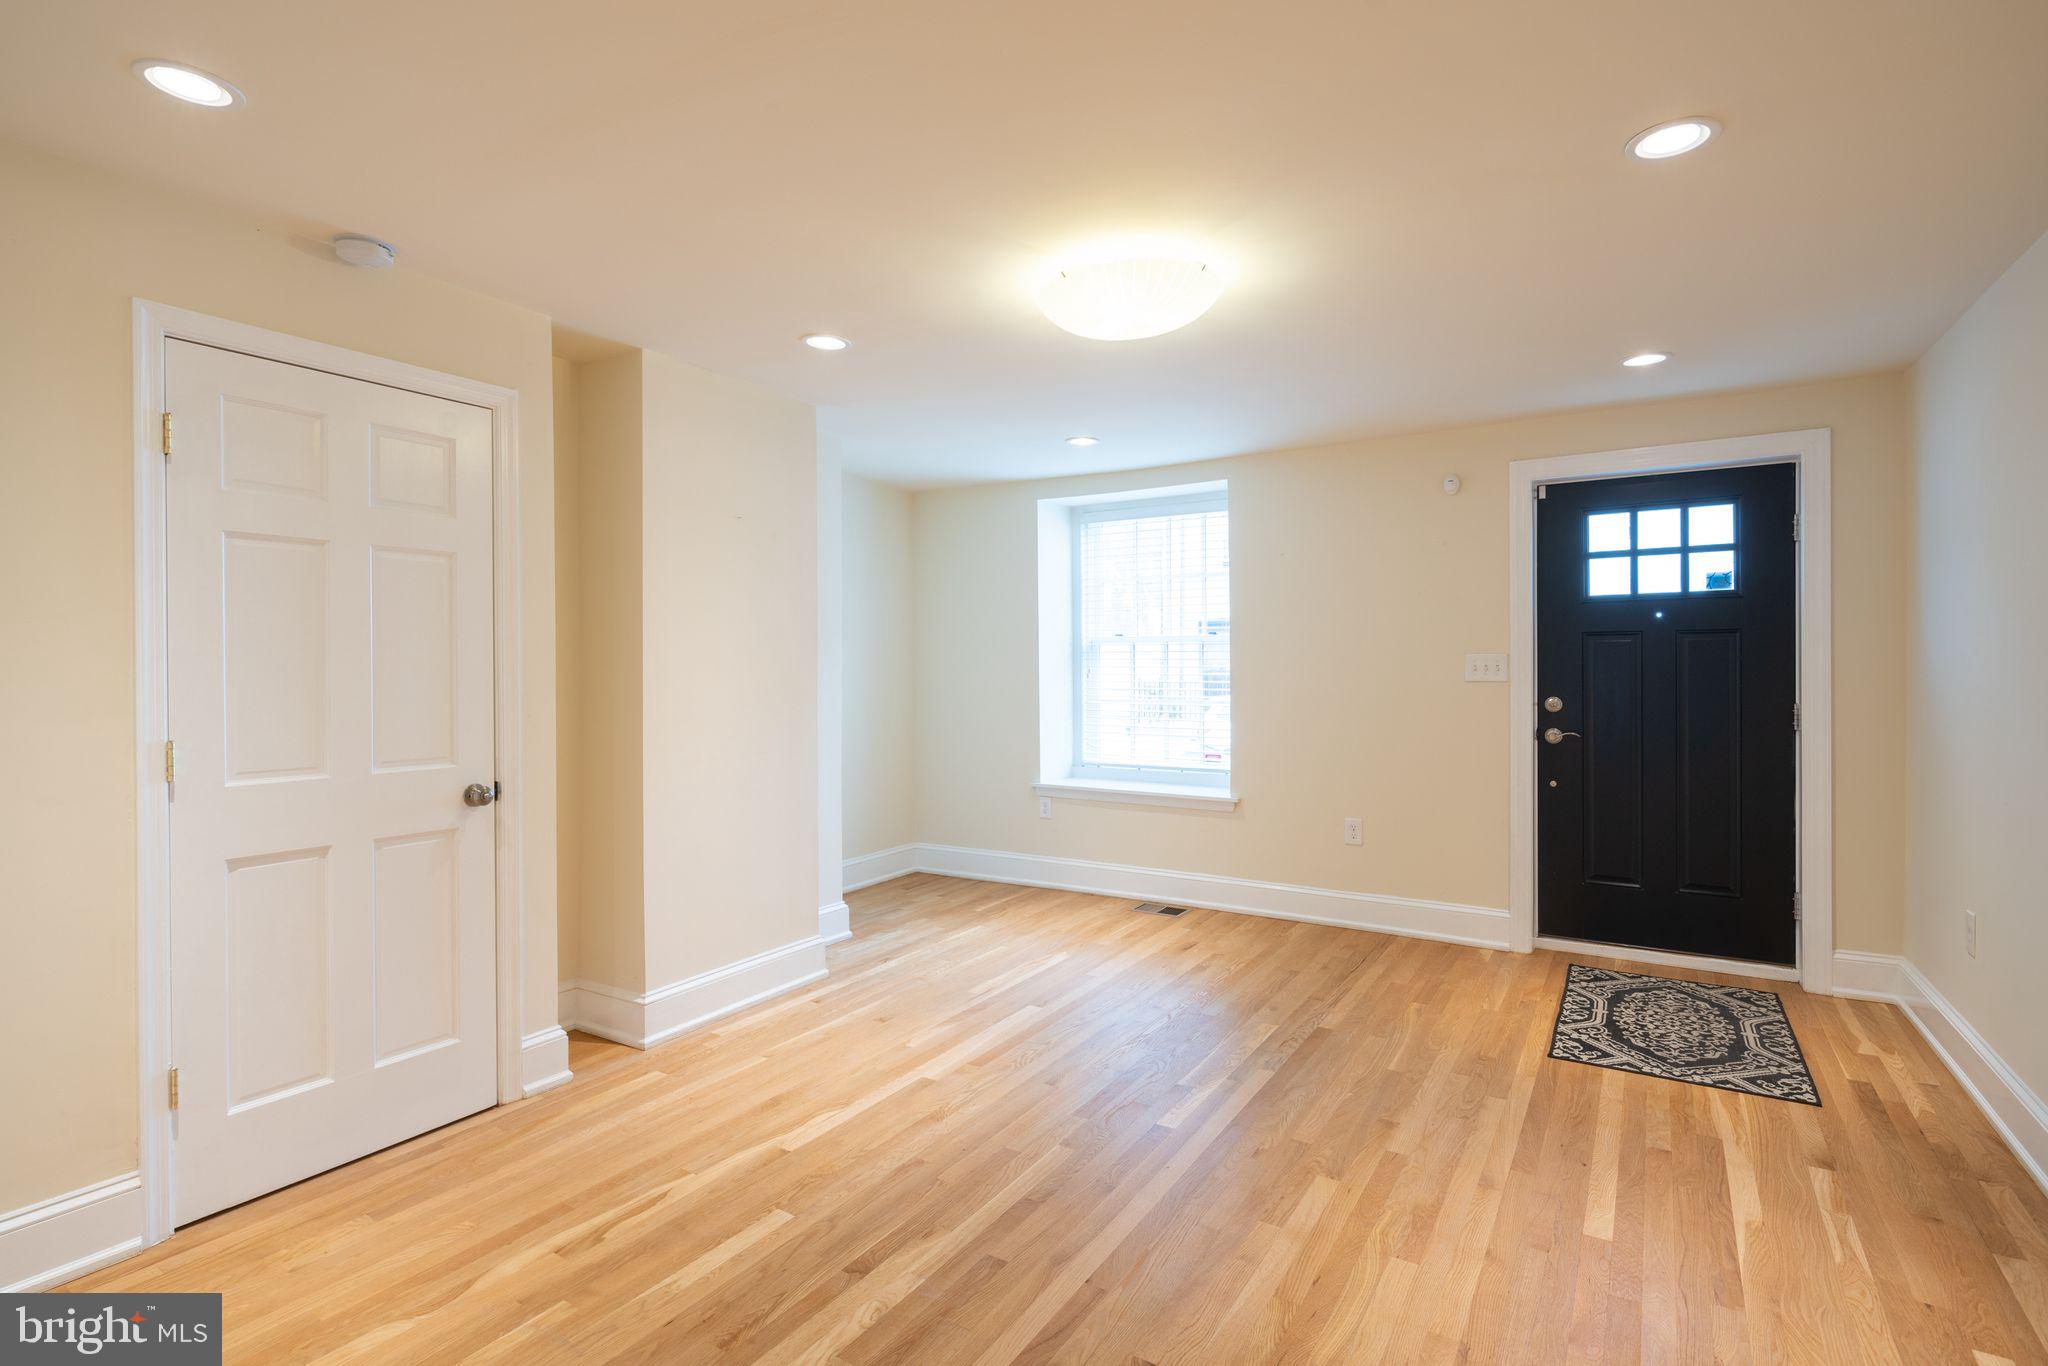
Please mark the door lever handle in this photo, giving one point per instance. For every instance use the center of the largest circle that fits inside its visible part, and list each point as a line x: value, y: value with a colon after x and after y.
x: 1554, y: 736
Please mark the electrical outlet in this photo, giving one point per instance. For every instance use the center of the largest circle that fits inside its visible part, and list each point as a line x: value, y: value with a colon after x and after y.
x: 1486, y: 668
x: 1354, y: 830
x: 1045, y: 808
x: 1970, y: 932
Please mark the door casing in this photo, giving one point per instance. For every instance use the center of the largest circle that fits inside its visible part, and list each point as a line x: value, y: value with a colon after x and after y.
x: 1810, y: 451
x: 155, y: 323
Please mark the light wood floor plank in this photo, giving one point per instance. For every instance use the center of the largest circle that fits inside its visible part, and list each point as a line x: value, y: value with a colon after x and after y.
x: 1028, y: 1126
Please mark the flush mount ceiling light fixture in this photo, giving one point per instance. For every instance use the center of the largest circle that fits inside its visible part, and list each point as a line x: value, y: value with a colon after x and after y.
x: 187, y: 83
x: 1673, y: 139
x: 825, y: 341
x: 1646, y: 358
x: 1131, y: 297
x: 1082, y: 440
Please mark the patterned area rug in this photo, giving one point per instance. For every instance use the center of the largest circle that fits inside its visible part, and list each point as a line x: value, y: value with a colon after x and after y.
x: 1730, y: 1037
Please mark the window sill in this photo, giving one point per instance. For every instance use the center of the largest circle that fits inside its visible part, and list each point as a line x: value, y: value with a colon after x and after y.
x: 1138, y: 794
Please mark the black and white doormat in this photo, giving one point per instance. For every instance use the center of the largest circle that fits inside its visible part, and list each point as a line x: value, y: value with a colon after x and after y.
x: 1730, y: 1037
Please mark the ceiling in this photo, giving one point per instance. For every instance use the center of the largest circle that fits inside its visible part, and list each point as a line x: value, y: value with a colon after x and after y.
x: 1423, y: 204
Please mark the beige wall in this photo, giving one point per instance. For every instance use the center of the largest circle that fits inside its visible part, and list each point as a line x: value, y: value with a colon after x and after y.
x: 691, y: 701
x: 1979, y: 652
x: 79, y: 246
x: 730, y: 622
x: 831, y: 677
x: 606, y: 809
x: 568, y: 654
x: 1358, y: 587
x: 880, y: 683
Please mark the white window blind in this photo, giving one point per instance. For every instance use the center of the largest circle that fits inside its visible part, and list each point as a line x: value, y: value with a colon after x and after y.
x: 1152, y: 646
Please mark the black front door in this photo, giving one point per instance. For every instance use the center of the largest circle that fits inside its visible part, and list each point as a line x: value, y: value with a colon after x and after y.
x: 1666, y: 748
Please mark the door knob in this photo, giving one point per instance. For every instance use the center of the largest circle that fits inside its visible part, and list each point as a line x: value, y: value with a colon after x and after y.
x: 1554, y: 736
x: 479, y: 794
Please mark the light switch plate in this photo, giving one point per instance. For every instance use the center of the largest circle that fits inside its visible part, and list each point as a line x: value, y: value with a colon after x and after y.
x: 1486, y: 668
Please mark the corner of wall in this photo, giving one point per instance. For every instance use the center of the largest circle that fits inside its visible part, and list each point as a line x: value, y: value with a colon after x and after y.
x: 568, y: 666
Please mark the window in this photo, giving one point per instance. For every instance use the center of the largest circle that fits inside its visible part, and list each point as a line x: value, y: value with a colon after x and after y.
x: 1152, y: 640
x: 1640, y: 554
x: 1134, y: 693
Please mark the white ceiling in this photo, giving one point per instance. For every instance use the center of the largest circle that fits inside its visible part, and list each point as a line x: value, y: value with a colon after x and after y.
x: 1425, y: 202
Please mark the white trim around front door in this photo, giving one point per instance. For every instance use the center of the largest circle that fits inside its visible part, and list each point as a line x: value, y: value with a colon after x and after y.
x: 154, y: 324
x: 1810, y: 451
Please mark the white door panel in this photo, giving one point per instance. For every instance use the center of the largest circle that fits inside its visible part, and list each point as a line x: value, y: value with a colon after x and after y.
x: 332, y: 921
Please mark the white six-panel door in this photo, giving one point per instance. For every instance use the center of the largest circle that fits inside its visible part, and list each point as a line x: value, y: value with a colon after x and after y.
x: 330, y: 697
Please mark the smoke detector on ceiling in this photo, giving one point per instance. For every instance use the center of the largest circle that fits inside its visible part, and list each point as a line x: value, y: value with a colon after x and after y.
x: 367, y: 253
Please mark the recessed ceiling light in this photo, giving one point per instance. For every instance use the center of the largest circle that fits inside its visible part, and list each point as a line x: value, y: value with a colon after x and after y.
x: 1646, y: 358
x: 825, y: 341
x: 1125, y: 300
x: 1672, y: 139
x: 1082, y: 440
x: 187, y: 83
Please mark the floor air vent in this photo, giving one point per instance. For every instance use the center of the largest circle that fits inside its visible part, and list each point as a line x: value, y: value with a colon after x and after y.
x: 1159, y: 908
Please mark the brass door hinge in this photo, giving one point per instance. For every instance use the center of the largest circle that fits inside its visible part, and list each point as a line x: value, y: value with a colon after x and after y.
x: 167, y: 436
x: 174, y: 1088
x: 170, y: 761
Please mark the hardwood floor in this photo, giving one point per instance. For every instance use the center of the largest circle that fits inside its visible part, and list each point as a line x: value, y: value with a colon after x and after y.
x: 1021, y: 1125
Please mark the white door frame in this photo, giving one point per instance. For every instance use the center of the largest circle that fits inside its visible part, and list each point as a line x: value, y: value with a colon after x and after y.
x: 154, y: 324
x: 1816, y: 819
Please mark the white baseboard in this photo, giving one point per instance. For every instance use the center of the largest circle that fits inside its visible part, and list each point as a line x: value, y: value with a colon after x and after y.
x: 835, y: 922
x: 544, y: 1060
x: 643, y: 1019
x: 1870, y: 976
x: 2010, y: 1104
x: 1481, y: 926
x: 56, y: 1240
x: 2006, y: 1100
x: 880, y: 866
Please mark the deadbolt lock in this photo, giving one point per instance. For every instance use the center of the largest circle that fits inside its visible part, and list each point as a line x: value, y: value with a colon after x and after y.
x: 1553, y: 704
